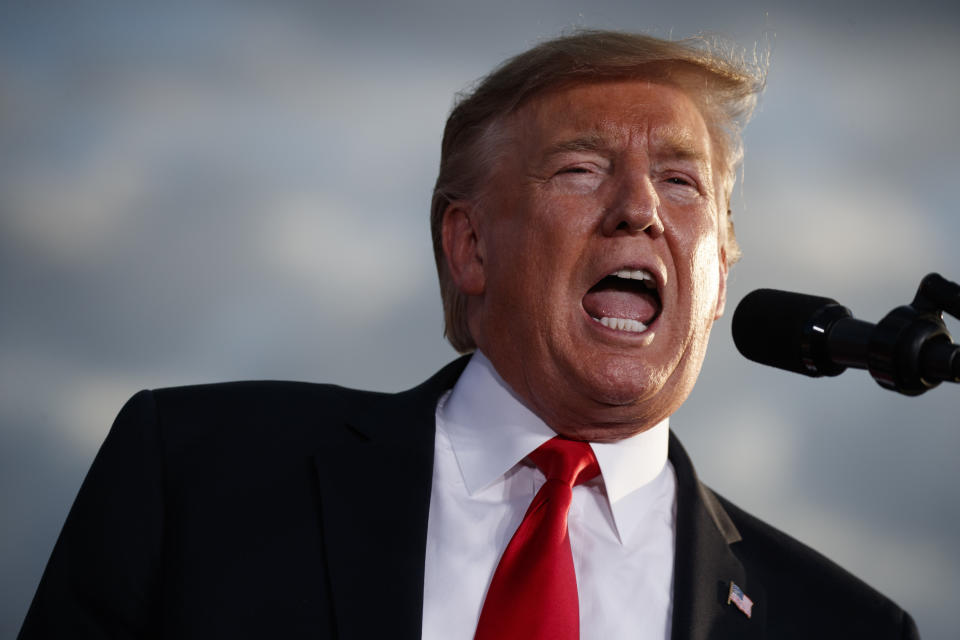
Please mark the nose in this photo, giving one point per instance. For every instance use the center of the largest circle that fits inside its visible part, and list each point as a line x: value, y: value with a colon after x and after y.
x: 635, y: 209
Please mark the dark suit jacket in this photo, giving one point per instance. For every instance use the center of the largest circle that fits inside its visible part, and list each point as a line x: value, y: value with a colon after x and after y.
x: 293, y: 510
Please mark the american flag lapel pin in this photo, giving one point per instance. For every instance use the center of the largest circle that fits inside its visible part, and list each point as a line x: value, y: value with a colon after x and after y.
x: 739, y: 599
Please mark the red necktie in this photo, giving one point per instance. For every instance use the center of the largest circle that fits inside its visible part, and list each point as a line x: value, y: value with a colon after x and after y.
x: 533, y: 594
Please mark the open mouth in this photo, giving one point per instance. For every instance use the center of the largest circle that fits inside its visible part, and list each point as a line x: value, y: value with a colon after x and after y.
x: 626, y: 300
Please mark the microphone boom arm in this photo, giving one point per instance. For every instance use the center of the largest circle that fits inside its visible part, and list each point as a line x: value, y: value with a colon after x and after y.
x: 908, y: 351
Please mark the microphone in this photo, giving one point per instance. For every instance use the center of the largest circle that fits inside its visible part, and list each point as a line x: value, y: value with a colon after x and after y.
x: 909, y: 351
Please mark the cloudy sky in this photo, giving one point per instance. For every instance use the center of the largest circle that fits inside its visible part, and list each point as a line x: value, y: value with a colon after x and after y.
x: 205, y: 191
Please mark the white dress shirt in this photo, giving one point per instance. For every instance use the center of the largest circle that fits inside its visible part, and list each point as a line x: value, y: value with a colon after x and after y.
x: 621, y: 523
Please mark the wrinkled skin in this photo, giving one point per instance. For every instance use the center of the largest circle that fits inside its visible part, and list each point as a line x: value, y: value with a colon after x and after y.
x: 590, y: 179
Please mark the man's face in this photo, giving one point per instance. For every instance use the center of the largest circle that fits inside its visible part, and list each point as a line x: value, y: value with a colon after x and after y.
x: 595, y: 259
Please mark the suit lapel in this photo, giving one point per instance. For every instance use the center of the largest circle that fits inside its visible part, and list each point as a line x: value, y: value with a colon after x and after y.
x: 375, y: 482
x: 705, y: 565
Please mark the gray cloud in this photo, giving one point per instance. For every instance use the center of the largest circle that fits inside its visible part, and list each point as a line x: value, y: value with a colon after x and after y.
x: 190, y: 192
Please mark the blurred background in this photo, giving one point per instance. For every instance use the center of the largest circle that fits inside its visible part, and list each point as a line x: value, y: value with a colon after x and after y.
x: 201, y: 191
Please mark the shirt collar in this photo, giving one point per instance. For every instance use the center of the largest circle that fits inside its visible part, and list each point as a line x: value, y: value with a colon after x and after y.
x: 491, y: 430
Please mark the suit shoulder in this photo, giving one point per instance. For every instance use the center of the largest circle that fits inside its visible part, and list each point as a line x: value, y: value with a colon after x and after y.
x: 248, y: 411
x: 249, y: 395
x: 760, y: 540
x: 808, y: 591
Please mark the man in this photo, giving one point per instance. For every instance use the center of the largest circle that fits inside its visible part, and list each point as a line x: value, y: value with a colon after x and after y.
x: 582, y: 235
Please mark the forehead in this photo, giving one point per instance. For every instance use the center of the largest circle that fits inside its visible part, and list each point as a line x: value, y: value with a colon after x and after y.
x: 611, y: 112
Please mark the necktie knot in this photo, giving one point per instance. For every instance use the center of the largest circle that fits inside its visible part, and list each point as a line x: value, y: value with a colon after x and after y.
x: 568, y: 461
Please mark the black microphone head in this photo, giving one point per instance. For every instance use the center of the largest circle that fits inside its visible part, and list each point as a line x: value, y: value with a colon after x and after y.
x: 786, y: 330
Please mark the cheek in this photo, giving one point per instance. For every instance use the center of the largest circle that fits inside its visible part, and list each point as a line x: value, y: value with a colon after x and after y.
x: 705, y: 271
x: 707, y: 285
x: 571, y: 212
x: 553, y: 231
x: 517, y: 263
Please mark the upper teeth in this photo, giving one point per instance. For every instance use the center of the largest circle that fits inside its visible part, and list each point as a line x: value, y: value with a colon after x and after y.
x: 636, y: 274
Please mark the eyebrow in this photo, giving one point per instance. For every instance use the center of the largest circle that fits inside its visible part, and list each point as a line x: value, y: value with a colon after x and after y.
x: 589, y: 142
x: 669, y: 147
x: 680, y: 147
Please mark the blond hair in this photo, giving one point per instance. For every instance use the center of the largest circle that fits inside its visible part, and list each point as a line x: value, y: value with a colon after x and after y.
x: 715, y: 75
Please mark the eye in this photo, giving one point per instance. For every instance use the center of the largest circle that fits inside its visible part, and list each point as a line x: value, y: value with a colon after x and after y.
x: 578, y: 178
x: 680, y: 185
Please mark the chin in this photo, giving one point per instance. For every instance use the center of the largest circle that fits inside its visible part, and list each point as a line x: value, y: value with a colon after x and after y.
x: 608, y: 423
x: 633, y: 394
x: 610, y: 402
x: 626, y: 383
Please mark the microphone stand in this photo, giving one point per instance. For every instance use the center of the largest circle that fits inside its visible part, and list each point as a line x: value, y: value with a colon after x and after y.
x: 910, y: 350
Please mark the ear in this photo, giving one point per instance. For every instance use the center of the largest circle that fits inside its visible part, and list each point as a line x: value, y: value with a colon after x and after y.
x: 722, y: 289
x: 463, y: 247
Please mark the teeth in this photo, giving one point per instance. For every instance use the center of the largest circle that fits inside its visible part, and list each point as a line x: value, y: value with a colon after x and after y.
x: 637, y: 274
x: 623, y: 324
